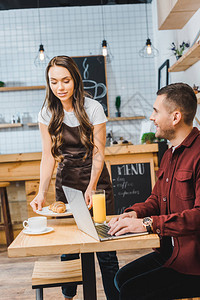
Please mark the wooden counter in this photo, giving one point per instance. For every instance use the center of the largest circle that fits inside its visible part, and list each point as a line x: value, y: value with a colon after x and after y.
x: 25, y: 167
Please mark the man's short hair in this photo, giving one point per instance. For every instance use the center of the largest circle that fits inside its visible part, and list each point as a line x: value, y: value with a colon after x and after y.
x: 180, y: 96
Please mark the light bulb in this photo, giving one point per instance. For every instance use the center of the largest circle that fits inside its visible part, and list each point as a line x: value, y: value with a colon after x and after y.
x: 149, y: 49
x: 104, y: 51
x: 104, y: 48
x: 42, y: 58
x: 148, y: 44
x: 41, y: 55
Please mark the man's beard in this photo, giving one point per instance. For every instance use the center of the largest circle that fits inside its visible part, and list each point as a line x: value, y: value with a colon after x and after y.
x: 167, y: 134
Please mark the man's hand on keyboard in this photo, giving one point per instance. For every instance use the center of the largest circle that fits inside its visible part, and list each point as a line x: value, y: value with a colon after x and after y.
x: 131, y: 214
x: 126, y: 225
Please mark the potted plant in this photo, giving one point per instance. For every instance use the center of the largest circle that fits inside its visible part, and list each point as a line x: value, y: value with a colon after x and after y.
x: 2, y: 83
x: 148, y: 138
x: 178, y: 50
x: 117, y: 105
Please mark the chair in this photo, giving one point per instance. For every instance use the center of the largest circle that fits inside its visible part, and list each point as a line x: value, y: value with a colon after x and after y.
x: 7, y: 225
x: 55, y: 273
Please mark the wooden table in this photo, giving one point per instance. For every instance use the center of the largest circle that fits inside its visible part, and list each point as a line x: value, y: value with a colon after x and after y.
x: 66, y: 238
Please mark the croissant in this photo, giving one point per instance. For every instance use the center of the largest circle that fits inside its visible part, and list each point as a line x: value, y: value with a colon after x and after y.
x: 58, y: 207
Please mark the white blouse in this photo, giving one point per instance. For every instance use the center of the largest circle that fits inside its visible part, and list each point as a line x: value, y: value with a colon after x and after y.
x: 92, y: 107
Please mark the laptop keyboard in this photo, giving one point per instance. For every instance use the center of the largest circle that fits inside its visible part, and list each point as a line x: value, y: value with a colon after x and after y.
x: 102, y: 230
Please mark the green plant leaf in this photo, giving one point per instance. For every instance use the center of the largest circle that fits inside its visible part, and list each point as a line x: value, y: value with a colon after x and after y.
x: 148, y: 136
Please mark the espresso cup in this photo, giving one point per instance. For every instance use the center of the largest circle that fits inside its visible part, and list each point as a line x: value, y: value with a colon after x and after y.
x: 35, y: 224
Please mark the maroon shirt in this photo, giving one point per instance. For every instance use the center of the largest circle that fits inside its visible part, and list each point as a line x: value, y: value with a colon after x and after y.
x: 174, y: 205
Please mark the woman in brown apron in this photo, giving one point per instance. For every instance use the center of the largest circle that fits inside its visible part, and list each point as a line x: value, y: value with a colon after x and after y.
x: 73, y: 132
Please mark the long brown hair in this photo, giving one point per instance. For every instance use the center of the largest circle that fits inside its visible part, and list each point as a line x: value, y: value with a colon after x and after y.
x: 54, y: 105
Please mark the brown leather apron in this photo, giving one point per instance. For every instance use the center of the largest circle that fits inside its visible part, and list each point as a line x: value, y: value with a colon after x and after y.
x: 75, y: 172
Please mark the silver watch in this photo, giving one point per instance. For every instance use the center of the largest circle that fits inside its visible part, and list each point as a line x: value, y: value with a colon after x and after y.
x: 147, y: 223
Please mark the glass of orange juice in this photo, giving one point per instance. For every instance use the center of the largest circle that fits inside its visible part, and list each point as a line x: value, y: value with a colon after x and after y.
x: 99, y: 206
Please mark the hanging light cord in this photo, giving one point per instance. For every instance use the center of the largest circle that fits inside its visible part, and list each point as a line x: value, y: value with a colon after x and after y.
x: 102, y: 19
x: 38, y: 6
x: 146, y: 20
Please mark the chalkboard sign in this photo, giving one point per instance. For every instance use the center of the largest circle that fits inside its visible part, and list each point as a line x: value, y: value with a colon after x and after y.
x: 131, y: 184
x: 92, y: 69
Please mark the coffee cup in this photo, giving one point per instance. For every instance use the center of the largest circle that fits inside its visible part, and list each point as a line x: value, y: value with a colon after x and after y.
x: 95, y: 88
x: 35, y: 224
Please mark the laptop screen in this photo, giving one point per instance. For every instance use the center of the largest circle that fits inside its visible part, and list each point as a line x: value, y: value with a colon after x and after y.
x: 80, y: 211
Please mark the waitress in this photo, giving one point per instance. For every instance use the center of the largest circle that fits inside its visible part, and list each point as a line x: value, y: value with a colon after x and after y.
x: 73, y: 132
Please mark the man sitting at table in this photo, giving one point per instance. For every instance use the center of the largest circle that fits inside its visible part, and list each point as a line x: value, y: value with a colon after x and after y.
x: 172, y: 210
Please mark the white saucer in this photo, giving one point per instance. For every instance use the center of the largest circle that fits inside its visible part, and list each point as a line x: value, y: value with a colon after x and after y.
x: 49, y: 213
x: 28, y: 231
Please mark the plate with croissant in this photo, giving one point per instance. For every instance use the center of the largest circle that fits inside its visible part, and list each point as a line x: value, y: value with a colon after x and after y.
x: 56, y: 209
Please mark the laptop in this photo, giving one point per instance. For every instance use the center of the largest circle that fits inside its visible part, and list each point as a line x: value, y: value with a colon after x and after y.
x: 84, y: 220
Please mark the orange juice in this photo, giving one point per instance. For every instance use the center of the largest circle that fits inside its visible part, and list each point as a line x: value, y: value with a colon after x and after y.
x: 99, y: 208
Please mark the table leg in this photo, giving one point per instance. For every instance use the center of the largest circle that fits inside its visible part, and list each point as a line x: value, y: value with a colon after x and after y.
x: 39, y: 294
x: 89, y: 276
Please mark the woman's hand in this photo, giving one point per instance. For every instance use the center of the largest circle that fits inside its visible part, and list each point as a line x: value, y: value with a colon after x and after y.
x: 38, y: 202
x: 46, y: 168
x: 88, y: 196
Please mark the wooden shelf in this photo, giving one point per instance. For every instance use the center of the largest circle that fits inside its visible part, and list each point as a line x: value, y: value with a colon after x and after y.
x: 187, y: 60
x: 32, y: 124
x: 174, y: 14
x: 126, y: 118
x: 22, y: 88
x: 7, y: 125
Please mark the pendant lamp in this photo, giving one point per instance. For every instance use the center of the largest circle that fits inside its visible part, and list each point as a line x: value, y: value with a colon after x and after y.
x: 148, y: 51
x: 105, y: 48
x: 41, y: 58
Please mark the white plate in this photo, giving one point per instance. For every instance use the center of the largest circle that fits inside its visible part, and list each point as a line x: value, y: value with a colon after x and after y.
x: 49, y: 213
x: 28, y: 231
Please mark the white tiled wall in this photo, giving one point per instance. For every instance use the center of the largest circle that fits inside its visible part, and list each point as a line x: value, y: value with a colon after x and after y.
x: 74, y: 31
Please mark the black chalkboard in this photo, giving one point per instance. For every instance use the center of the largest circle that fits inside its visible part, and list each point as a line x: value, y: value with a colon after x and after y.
x: 131, y: 184
x: 92, y: 69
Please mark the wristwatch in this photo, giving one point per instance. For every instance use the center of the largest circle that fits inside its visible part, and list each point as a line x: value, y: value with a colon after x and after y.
x: 147, y: 223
